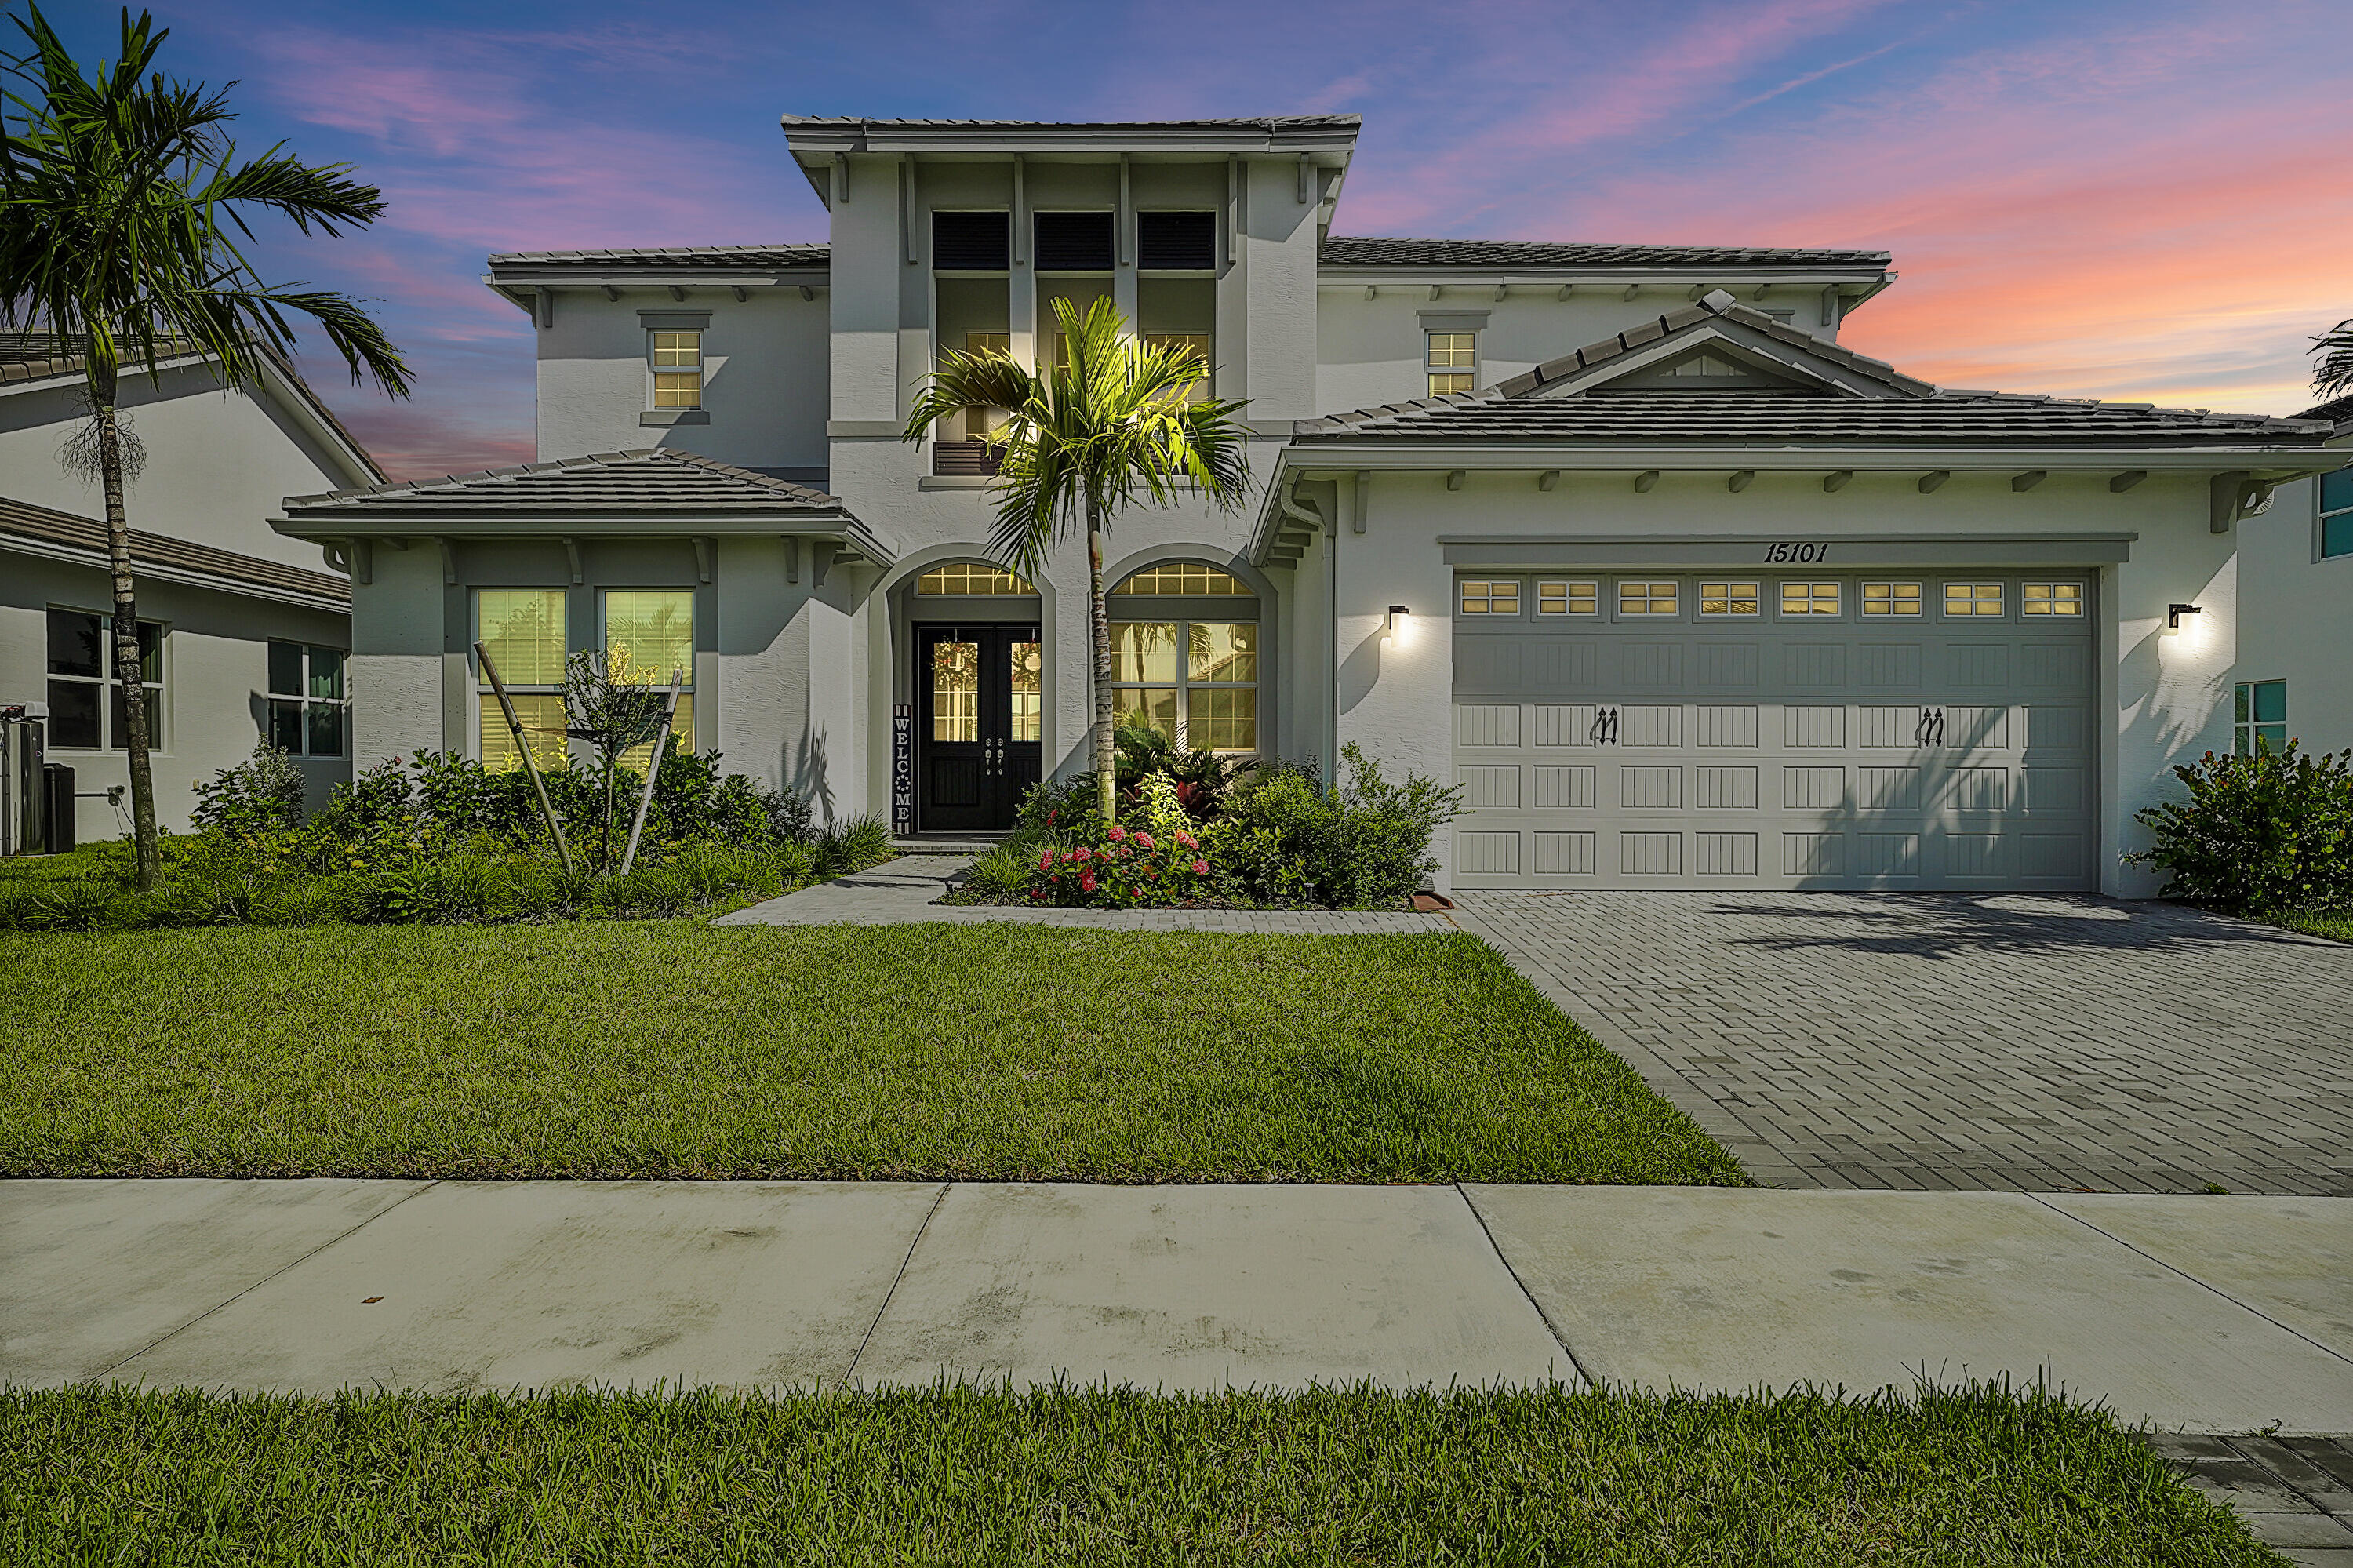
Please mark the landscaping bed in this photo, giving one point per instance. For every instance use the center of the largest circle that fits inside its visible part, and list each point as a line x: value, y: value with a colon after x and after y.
x: 1979, y: 1476
x: 675, y: 1049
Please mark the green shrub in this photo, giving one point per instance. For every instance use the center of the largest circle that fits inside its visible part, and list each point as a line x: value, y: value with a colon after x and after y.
x: 852, y: 844
x: 2262, y: 834
x: 1365, y: 842
x: 262, y: 793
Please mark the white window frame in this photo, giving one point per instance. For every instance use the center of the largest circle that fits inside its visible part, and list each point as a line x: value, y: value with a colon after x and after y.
x: 1432, y: 369
x: 2245, y: 731
x: 1811, y: 590
x: 485, y: 698
x: 1729, y: 592
x: 1649, y: 587
x: 1944, y: 610
x: 2079, y: 605
x: 1893, y: 612
x: 1567, y: 592
x: 655, y: 370
x: 1487, y: 596
x: 2324, y: 514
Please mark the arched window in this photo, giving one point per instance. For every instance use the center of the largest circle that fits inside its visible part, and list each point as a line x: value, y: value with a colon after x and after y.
x: 973, y: 579
x: 1185, y: 655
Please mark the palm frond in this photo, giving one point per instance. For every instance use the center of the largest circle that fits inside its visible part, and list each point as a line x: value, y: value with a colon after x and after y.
x: 2332, y: 369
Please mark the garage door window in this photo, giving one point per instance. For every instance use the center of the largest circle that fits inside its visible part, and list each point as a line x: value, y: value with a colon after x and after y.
x: 1891, y: 599
x: 2051, y: 599
x: 1978, y: 599
x: 1809, y: 598
x: 1646, y: 598
x: 1569, y: 599
x: 1727, y: 598
x: 1491, y: 597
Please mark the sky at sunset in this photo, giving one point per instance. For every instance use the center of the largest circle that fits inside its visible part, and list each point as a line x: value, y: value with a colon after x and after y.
x: 2149, y: 200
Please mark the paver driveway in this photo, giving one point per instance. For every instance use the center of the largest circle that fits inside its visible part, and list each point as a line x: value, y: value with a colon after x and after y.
x: 1913, y: 1040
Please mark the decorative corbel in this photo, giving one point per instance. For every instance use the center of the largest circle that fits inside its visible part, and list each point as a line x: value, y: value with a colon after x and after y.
x: 448, y: 561
x: 2127, y: 480
x: 612, y: 294
x: 2023, y: 482
x: 1632, y: 290
x: 1934, y: 480
x: 363, y: 561
x: 2236, y: 496
x: 1834, y: 482
x: 1740, y: 480
x: 572, y: 555
x: 1549, y: 480
x: 1360, y: 498
x: 1454, y: 477
x: 701, y: 558
x: 1566, y: 289
x: 543, y: 304
x: 792, y: 558
x: 1646, y: 482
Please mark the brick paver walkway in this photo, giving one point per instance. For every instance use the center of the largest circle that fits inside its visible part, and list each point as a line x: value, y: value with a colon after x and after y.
x: 2010, y: 1042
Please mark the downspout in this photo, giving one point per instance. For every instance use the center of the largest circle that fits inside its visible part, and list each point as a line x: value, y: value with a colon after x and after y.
x: 1307, y: 512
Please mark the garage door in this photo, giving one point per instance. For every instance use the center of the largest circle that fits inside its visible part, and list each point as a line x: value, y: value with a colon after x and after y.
x: 1865, y: 731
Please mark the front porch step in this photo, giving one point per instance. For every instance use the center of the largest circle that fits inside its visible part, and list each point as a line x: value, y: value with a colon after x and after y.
x: 947, y: 844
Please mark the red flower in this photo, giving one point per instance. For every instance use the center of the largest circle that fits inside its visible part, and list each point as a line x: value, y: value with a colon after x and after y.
x: 1087, y: 883
x: 1200, y: 868
x: 1117, y: 832
x: 1144, y: 840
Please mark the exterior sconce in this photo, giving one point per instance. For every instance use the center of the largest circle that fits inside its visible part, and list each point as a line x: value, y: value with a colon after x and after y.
x: 1395, y: 610
x: 2174, y: 612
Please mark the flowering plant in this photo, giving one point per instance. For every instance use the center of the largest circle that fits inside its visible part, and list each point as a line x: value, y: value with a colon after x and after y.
x: 1118, y: 866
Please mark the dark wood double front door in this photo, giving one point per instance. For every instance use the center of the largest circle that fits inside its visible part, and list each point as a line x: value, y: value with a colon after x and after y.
x: 979, y: 716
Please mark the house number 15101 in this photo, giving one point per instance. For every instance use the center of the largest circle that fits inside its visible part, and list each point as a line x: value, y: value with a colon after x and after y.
x: 1801, y: 554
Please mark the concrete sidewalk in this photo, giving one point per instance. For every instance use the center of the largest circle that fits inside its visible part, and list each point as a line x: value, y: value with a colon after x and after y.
x: 2209, y: 1314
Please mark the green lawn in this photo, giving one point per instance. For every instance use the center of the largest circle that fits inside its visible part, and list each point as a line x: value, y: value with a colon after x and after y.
x: 2336, y: 923
x: 1092, y: 1477
x: 671, y: 1048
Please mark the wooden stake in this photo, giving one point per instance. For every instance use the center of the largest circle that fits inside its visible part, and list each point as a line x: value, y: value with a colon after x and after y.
x: 530, y: 765
x: 653, y: 768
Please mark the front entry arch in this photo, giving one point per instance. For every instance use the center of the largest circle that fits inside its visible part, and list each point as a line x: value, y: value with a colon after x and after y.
x: 979, y: 715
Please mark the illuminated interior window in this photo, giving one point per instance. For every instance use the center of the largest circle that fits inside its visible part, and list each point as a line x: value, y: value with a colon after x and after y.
x: 1891, y: 599
x: 1972, y: 599
x: 1185, y: 579
x: 2051, y: 599
x: 1647, y: 599
x: 972, y: 579
x: 1568, y: 599
x: 1496, y: 596
x: 1727, y: 598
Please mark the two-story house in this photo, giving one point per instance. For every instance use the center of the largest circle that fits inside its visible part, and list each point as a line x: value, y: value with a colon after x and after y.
x: 1682, y: 592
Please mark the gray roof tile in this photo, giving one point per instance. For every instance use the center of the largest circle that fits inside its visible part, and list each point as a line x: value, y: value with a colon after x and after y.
x: 23, y: 520
x: 626, y: 483
x: 1259, y: 123
x: 1352, y: 251
x: 782, y: 255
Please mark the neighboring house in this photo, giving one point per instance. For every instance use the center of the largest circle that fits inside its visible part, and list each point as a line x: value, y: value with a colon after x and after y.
x: 2294, y: 673
x: 1683, y: 593
x: 246, y: 627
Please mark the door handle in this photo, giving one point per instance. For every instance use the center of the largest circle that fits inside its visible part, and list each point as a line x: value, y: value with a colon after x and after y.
x: 1610, y: 729
x: 1940, y: 727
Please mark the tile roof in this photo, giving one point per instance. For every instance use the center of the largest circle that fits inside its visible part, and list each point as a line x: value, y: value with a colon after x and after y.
x: 1260, y: 122
x: 23, y: 520
x: 1904, y: 410
x: 647, y: 480
x: 2337, y: 411
x: 1351, y: 250
x: 1651, y: 415
x: 780, y: 255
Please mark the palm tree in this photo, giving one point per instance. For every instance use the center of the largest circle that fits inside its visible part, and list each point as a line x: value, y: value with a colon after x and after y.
x: 118, y: 192
x: 2332, y: 371
x: 1111, y: 422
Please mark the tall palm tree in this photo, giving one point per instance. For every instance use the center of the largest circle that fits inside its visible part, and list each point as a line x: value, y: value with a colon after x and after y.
x: 118, y: 195
x: 2332, y: 353
x: 1111, y: 422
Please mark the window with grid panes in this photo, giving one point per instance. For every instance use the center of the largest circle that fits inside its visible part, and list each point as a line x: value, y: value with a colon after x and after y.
x: 1891, y: 599
x: 1451, y: 360
x: 1809, y: 598
x: 973, y: 579
x: 1197, y: 343
x: 1727, y: 598
x: 979, y: 422
x: 2336, y: 514
x: 523, y: 631
x: 678, y: 369
x: 1194, y: 679
x: 1646, y: 598
x: 1568, y: 599
x: 307, y: 706
x: 87, y: 712
x: 2259, y: 716
x: 1972, y: 599
x: 1496, y: 596
x: 649, y: 635
x: 2051, y: 599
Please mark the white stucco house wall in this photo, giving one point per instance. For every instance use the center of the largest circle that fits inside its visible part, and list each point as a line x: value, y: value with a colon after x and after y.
x: 1619, y: 538
x: 2295, y: 672
x: 248, y: 629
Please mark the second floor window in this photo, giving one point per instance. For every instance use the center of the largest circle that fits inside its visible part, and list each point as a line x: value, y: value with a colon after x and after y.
x: 2336, y: 514
x: 307, y: 701
x: 86, y: 707
x: 1195, y: 343
x: 1452, y: 358
x: 678, y: 369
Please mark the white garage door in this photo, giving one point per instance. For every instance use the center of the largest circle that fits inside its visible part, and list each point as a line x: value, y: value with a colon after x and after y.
x: 1840, y: 731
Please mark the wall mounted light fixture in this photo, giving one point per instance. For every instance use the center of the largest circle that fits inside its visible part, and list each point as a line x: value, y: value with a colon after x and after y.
x: 1395, y: 610
x: 2174, y: 612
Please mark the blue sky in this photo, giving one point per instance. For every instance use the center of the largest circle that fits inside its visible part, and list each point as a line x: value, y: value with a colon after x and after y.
x: 2148, y: 201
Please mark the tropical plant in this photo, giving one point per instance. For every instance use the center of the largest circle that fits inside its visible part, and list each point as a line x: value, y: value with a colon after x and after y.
x: 1110, y: 423
x: 614, y: 712
x: 262, y: 793
x: 2332, y: 354
x: 118, y: 195
x: 2268, y: 833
